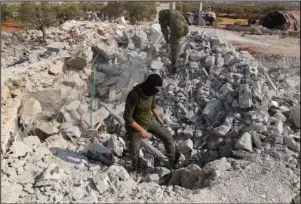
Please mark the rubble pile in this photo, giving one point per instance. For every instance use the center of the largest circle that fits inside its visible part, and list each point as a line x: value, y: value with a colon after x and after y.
x: 227, y: 115
x: 224, y: 100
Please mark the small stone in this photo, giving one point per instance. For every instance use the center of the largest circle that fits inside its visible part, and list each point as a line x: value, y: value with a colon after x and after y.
x: 209, y: 61
x: 102, y: 182
x: 256, y: 140
x: 166, y: 61
x: 222, y: 130
x: 153, y: 178
x: 244, y: 142
x: 156, y: 65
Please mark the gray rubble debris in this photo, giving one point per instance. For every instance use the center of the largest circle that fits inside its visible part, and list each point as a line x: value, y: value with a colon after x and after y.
x: 185, y: 146
x: 244, y: 142
x: 156, y: 65
x: 97, y: 117
x: 107, y: 50
x: 275, y: 125
x: 102, y: 182
x: 81, y: 57
x: 295, y: 114
x: 245, y: 96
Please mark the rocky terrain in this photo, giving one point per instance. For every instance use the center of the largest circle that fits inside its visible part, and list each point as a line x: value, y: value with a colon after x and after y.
x: 235, y: 119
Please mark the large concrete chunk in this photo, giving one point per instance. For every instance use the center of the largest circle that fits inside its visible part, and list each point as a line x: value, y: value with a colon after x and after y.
x: 45, y: 129
x: 74, y: 80
x: 72, y: 132
x: 81, y: 57
x: 118, y: 173
x: 29, y: 109
x: 116, y: 145
x: 190, y: 176
x: 50, y: 99
x: 245, y: 96
x: 141, y: 38
x: 19, y: 149
x: 185, y: 146
x: 219, y: 165
x: 102, y: 182
x: 275, y: 125
x: 106, y: 50
x: 295, y: 114
x: 211, y: 108
x: 209, y: 61
x: 52, y: 175
x: 97, y: 117
x: 245, y: 142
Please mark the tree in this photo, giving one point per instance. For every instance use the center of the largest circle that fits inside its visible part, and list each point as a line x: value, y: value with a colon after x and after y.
x: 67, y: 11
x: 38, y: 16
x: 139, y: 11
x: 113, y: 9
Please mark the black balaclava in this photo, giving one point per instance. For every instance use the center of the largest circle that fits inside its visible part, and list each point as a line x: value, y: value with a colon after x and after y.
x: 149, y: 85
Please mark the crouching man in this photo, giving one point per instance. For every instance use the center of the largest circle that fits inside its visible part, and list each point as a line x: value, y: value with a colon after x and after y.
x: 139, y: 113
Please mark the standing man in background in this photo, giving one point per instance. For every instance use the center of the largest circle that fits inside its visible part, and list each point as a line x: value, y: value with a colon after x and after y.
x: 178, y: 26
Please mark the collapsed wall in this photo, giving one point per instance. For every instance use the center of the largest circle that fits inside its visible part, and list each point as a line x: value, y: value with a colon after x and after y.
x: 225, y: 105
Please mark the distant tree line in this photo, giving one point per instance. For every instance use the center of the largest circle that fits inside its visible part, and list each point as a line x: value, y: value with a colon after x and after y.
x: 237, y: 10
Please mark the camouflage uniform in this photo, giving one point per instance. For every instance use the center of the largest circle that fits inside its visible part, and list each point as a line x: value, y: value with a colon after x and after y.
x: 178, y: 29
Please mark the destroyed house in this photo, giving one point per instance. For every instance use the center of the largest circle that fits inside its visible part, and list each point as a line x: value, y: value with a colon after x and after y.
x: 282, y: 20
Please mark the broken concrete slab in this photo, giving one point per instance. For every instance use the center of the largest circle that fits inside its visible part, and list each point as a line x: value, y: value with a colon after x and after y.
x: 191, y: 176
x: 97, y: 117
x: 51, y: 175
x: 185, y: 146
x: 81, y: 57
x: 19, y: 149
x: 102, y: 182
x: 29, y: 110
x: 115, y: 145
x: 74, y: 80
x: 106, y: 50
x: 50, y: 99
x: 244, y: 142
x: 45, y: 129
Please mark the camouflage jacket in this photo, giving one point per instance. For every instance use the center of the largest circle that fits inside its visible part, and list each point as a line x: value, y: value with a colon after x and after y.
x: 175, y: 21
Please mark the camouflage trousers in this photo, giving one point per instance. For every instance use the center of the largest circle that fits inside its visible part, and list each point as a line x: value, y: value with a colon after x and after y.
x: 174, y: 46
x: 158, y: 131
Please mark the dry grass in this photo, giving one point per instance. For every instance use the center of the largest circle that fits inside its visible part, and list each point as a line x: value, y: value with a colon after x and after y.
x: 227, y: 21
